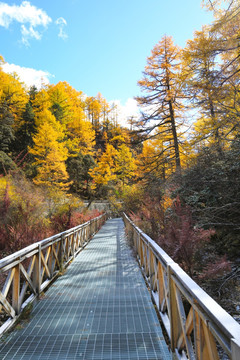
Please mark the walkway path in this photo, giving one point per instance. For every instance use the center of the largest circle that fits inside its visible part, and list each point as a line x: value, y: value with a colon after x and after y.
x: 100, y: 309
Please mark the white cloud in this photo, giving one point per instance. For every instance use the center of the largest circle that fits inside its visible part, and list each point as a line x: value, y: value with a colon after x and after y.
x: 28, y: 75
x: 26, y: 14
x: 61, y: 22
x: 126, y: 111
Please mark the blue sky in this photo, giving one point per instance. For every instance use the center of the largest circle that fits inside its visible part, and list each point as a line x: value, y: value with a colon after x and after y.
x: 96, y: 46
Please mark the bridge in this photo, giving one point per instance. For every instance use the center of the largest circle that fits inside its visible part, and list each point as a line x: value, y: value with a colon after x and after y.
x: 94, y: 300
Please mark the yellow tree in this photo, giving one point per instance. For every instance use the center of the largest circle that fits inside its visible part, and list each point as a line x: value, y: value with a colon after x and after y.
x: 50, y: 155
x: 13, y: 95
x: 125, y: 164
x: 81, y: 136
x: 157, y: 159
x: 104, y: 172
x: 203, y: 86
x: 40, y: 104
x: 67, y: 106
x: 93, y: 110
x: 163, y: 93
x: 60, y: 103
x: 80, y: 132
x: 153, y: 166
x: 226, y: 29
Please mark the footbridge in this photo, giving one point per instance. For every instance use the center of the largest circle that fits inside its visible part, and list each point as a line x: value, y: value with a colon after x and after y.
x: 105, y: 290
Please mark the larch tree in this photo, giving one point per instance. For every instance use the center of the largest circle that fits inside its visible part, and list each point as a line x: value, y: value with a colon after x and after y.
x: 104, y: 172
x: 50, y: 154
x: 6, y: 127
x: 13, y: 99
x: 125, y: 164
x: 162, y: 101
x: 202, y: 86
x: 40, y: 102
x: 93, y: 111
x: 25, y: 131
x: 59, y: 102
x: 226, y: 30
x: 80, y: 132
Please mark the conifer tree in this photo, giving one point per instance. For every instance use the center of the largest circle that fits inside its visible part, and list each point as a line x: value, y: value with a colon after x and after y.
x: 162, y: 100
x: 50, y: 154
x: 6, y: 127
x: 26, y: 130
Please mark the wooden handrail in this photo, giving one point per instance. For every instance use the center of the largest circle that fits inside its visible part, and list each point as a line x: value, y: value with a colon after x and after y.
x: 27, y: 272
x: 197, y: 326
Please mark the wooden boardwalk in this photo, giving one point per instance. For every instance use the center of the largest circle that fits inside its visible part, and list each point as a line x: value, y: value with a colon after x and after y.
x: 100, y: 309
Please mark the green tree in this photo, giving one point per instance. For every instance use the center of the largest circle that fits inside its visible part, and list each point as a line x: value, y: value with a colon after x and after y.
x: 6, y: 127
x: 25, y: 132
x: 78, y: 168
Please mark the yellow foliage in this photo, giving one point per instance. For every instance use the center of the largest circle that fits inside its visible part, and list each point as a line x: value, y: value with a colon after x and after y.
x: 40, y: 103
x: 50, y: 155
x: 104, y: 172
x: 125, y: 163
x: 81, y: 135
x: 13, y: 93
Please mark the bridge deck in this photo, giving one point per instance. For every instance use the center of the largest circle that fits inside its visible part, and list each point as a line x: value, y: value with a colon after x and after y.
x: 99, y: 309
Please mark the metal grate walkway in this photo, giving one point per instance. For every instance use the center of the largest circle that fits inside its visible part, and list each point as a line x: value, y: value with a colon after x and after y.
x: 100, y: 309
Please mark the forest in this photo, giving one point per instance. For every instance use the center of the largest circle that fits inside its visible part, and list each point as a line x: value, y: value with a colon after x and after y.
x: 174, y: 170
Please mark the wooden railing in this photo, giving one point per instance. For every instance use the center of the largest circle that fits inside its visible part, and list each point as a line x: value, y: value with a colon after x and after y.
x: 26, y: 273
x: 197, y: 327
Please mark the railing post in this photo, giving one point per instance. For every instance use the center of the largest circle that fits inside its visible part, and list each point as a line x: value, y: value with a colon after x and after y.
x: 73, y: 244
x: 173, y: 313
x: 16, y: 289
x: 152, y: 269
x: 37, y: 271
x: 60, y: 256
x: 50, y: 261
x: 235, y: 347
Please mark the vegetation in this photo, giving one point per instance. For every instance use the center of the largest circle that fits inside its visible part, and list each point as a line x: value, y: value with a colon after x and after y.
x: 176, y: 172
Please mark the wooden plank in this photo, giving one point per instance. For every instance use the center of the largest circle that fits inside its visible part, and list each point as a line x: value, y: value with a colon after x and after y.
x: 37, y: 272
x: 210, y: 343
x: 21, y: 254
x: 7, y: 285
x: 56, y: 256
x: 45, y: 267
x: 155, y: 277
x: 16, y: 290
x: 188, y: 328
x: 197, y: 335
x: 27, y: 283
x: 173, y: 313
x: 184, y: 338
x: 9, y: 309
x: 161, y: 290
x: 151, y: 268
x: 50, y: 260
x: 8, y: 282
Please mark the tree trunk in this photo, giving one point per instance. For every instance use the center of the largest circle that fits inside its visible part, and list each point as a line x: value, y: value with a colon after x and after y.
x: 175, y: 138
